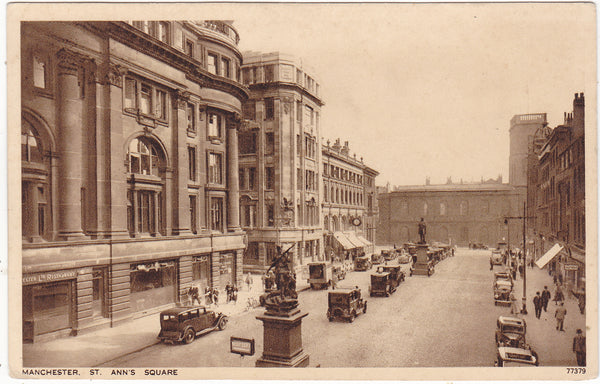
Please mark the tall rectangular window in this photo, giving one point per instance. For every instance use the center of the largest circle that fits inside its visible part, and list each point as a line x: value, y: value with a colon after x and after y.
x: 298, y: 179
x: 215, y: 171
x: 130, y: 93
x: 269, y: 108
x: 192, y: 163
x: 299, y: 77
x: 269, y: 143
x: 214, y: 125
x: 270, y: 178
x: 269, y: 73
x: 163, y: 31
x: 251, y: 178
x: 211, y: 64
x: 39, y: 72
x: 145, y: 99
x: 191, y: 117
x: 247, y: 76
x: 160, y: 110
x: 247, y: 143
x: 249, y: 110
x: 298, y: 145
x: 226, y: 70
x: 299, y: 110
x: 193, y: 214
x: 189, y: 48
x: 241, y: 180
x: 270, y: 215
x: 216, y: 214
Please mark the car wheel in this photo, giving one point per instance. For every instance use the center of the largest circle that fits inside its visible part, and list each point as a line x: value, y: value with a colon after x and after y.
x: 352, y: 317
x: 312, y: 286
x: 387, y: 293
x: 222, y: 324
x: 330, y: 318
x: 537, y: 359
x: 189, y: 336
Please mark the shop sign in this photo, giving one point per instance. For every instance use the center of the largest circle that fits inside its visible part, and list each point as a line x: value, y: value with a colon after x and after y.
x: 242, y: 346
x: 49, y: 276
x: 571, y: 267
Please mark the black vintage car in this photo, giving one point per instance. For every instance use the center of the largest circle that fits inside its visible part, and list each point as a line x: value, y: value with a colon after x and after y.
x: 382, y: 284
x: 396, y: 274
x: 345, y: 303
x: 185, y: 323
x: 362, y: 263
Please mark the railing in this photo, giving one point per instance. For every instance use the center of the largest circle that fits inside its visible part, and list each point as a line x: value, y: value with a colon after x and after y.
x: 221, y: 27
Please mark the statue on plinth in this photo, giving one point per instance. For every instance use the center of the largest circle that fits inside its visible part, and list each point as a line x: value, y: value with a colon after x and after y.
x: 422, y: 231
x: 284, y: 298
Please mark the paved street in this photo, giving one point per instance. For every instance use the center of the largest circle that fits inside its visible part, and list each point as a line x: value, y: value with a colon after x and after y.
x: 447, y: 319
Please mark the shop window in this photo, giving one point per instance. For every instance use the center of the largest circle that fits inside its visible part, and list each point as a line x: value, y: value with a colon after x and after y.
x: 215, y: 168
x: 211, y: 64
x: 152, y: 285
x: 269, y: 108
x: 201, y: 271
x: 269, y: 178
x: 216, y: 214
x: 247, y: 143
x: 269, y: 143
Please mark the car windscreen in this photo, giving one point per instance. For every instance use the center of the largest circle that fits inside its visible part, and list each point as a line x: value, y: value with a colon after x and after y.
x: 340, y: 300
x: 168, y: 317
x: 512, y: 328
x: 316, y: 271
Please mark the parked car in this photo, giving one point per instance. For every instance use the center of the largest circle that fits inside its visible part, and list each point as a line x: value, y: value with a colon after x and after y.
x: 186, y: 323
x: 362, y: 263
x: 510, y: 332
x: 381, y: 284
x: 388, y: 255
x: 506, y: 276
x: 496, y: 257
x: 377, y: 258
x: 502, y: 290
x: 345, y: 303
x: 319, y: 275
x: 516, y: 357
x: 404, y: 258
x: 396, y: 274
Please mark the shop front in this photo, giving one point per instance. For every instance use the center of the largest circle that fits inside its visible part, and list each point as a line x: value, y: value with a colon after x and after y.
x: 226, y: 270
x: 201, y: 272
x: 49, y: 302
x: 153, y: 285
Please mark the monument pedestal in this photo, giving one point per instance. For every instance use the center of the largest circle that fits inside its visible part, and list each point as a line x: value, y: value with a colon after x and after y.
x: 282, y: 340
x: 423, y: 266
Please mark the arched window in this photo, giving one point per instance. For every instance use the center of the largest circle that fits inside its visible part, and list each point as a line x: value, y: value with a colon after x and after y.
x: 425, y: 208
x: 464, y: 208
x: 31, y: 148
x: 442, y: 209
x: 145, y: 197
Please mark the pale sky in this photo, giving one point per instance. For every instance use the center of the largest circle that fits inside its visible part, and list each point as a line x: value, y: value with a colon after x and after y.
x: 429, y: 89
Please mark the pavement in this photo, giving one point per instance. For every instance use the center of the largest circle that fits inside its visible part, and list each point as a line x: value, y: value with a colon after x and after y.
x: 99, y: 347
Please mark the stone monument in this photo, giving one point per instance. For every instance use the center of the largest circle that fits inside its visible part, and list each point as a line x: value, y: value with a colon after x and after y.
x: 423, y: 266
x: 282, y: 320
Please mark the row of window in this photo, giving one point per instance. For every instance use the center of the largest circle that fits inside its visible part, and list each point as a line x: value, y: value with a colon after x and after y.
x: 463, y: 208
x: 310, y: 146
x: 251, y: 256
x: 310, y: 178
x: 341, y: 174
x: 248, y: 143
x: 248, y: 178
x: 341, y: 195
x: 214, y: 62
x: 215, y: 219
x: 278, y: 72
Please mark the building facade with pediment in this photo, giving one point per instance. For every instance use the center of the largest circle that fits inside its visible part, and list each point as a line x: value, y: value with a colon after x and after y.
x: 129, y: 168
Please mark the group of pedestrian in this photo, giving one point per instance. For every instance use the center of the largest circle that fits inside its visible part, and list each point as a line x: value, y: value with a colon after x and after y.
x: 232, y: 292
x: 211, y: 296
x: 540, y: 301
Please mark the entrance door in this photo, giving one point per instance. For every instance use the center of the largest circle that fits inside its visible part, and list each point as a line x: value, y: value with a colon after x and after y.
x: 99, y: 307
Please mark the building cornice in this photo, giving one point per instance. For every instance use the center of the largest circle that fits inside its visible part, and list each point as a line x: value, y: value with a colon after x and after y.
x: 285, y: 85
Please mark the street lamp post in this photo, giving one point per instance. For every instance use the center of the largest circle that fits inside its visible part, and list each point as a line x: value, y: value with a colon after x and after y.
x: 524, y: 218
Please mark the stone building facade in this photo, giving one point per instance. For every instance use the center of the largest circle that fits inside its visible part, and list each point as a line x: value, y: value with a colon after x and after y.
x: 557, y: 190
x: 129, y: 168
x: 279, y: 161
x: 350, y: 205
x: 454, y: 213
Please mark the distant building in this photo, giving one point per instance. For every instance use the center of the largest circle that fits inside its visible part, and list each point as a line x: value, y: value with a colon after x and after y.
x: 129, y: 168
x: 279, y: 161
x: 454, y: 213
x: 350, y: 208
x: 522, y: 131
x: 558, y: 191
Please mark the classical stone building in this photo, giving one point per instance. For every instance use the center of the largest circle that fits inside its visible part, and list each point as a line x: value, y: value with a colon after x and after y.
x: 557, y: 192
x: 279, y: 161
x: 454, y: 213
x: 350, y: 210
x: 129, y: 168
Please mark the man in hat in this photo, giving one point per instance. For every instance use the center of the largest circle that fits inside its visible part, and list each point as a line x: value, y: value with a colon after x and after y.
x: 537, y: 303
x: 560, y: 314
x: 579, y: 348
x: 545, y: 298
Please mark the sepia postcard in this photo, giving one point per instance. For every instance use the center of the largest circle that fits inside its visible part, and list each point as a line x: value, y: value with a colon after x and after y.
x: 360, y: 191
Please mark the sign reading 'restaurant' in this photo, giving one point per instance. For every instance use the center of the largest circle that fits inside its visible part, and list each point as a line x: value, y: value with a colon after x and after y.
x: 49, y: 276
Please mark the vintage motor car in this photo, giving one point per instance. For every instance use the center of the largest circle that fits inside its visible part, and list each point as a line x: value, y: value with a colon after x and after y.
x: 388, y: 254
x: 185, y: 323
x: 516, y: 357
x: 404, y: 257
x: 506, y: 276
x: 377, y: 258
x: 320, y: 274
x: 502, y: 290
x: 396, y: 274
x: 345, y: 303
x: 381, y: 284
x: 496, y: 257
x: 362, y: 263
x: 510, y: 332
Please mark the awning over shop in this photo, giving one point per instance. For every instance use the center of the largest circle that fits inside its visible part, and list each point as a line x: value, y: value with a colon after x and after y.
x: 364, y: 241
x: 542, y: 261
x: 343, y: 240
x: 354, y: 240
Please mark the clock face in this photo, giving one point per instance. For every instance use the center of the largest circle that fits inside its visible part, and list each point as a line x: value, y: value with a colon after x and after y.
x: 356, y: 221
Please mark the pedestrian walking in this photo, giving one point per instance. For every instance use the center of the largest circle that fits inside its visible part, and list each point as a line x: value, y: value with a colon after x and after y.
x: 513, y: 304
x: 208, y: 296
x: 194, y: 295
x: 560, y: 278
x: 249, y: 281
x: 229, y: 291
x: 491, y: 264
x: 558, y: 294
x: 537, y: 304
x: 234, y: 294
x: 545, y: 298
x: 521, y: 269
x: 215, y: 296
x: 581, y: 302
x: 579, y: 348
x: 560, y: 314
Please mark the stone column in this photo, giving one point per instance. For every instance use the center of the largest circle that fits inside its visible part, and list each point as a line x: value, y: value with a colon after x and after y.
x: 69, y: 118
x: 181, y: 201
x: 233, y: 194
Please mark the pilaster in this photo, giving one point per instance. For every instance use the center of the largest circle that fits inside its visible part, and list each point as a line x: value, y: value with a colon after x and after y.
x: 233, y: 184
x: 181, y: 202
